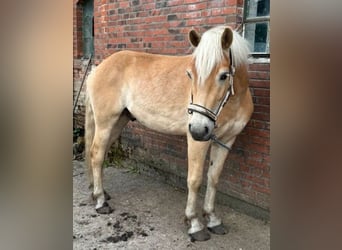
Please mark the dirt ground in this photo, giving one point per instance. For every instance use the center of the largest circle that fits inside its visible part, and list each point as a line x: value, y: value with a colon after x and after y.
x: 149, y: 214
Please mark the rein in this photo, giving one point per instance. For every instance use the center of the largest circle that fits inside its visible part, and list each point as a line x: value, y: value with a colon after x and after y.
x: 209, y: 113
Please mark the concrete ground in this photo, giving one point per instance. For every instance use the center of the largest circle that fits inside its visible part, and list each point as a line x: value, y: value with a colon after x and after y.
x: 149, y: 214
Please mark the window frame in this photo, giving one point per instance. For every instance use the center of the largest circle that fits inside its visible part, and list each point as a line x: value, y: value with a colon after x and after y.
x: 255, y: 20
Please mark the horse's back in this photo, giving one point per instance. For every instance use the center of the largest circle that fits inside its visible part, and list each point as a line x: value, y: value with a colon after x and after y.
x: 131, y: 65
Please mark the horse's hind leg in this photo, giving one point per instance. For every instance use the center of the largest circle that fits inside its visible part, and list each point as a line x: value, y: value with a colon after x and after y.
x: 104, y: 136
x: 196, y: 157
x: 218, y: 156
x: 97, y: 154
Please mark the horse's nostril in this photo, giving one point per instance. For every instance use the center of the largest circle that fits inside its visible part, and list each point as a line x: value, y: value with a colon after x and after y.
x: 206, y: 130
x: 189, y: 127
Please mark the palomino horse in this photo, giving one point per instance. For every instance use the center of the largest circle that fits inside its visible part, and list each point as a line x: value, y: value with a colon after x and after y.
x: 204, y: 96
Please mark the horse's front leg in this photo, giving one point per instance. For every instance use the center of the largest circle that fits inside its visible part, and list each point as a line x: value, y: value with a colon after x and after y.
x: 196, y: 158
x: 218, y: 155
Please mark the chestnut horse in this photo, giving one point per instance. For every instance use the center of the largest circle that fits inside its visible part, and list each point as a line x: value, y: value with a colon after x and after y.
x: 204, y: 96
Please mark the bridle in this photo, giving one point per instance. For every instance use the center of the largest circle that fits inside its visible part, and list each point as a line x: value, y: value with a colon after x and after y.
x: 211, y: 114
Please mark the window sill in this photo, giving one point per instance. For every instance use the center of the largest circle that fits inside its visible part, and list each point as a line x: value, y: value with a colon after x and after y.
x: 259, y: 59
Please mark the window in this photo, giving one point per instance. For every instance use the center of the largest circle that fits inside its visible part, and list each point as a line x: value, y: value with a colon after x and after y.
x: 257, y: 25
x: 88, y: 28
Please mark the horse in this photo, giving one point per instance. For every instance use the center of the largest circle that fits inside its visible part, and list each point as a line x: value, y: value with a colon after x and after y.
x: 204, y: 96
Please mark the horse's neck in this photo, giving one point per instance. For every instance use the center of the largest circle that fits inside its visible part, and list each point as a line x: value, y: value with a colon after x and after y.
x: 241, y: 80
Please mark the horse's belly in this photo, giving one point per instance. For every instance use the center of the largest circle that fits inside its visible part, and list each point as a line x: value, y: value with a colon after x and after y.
x: 162, y: 121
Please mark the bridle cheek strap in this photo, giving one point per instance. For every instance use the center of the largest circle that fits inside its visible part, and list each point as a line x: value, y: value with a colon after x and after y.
x: 225, y: 99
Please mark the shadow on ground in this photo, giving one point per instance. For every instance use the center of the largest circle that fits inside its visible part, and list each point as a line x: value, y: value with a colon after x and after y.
x: 149, y: 214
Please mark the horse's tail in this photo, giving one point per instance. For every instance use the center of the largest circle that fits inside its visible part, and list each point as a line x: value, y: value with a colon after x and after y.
x: 89, y: 131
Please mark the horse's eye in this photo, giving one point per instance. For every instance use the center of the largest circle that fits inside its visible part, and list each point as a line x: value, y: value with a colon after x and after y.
x: 223, y: 77
x: 189, y: 75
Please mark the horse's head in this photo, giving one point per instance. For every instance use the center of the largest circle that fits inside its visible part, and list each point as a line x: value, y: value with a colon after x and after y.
x: 210, y: 72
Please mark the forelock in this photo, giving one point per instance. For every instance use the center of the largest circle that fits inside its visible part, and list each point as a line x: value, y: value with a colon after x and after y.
x: 209, y: 51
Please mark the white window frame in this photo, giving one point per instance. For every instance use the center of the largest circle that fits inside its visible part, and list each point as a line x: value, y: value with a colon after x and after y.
x: 256, y: 20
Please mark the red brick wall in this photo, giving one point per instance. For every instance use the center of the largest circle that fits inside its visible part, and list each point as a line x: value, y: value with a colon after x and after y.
x: 77, y: 28
x: 162, y: 27
x: 156, y: 26
x: 250, y: 180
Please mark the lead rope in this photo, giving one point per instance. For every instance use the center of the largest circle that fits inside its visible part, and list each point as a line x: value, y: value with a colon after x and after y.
x: 214, y: 138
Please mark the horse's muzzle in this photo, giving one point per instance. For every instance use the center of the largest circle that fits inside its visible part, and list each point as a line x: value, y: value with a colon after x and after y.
x: 200, y: 133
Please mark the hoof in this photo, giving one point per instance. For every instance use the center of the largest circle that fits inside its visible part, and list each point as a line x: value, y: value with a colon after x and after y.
x: 105, y: 209
x: 202, y: 235
x: 219, y: 229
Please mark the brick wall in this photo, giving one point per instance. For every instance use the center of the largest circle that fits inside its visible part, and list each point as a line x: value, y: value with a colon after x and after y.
x: 77, y: 28
x: 156, y: 26
x: 162, y: 27
x: 249, y: 178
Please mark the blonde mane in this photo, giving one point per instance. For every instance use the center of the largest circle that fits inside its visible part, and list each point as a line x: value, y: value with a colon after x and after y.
x: 209, y: 51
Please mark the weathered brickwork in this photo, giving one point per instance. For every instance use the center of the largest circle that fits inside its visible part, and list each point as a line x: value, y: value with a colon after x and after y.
x: 77, y: 28
x: 155, y: 26
x: 162, y: 27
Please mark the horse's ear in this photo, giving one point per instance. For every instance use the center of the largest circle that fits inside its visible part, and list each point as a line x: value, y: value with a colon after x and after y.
x: 227, y: 38
x: 194, y: 38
